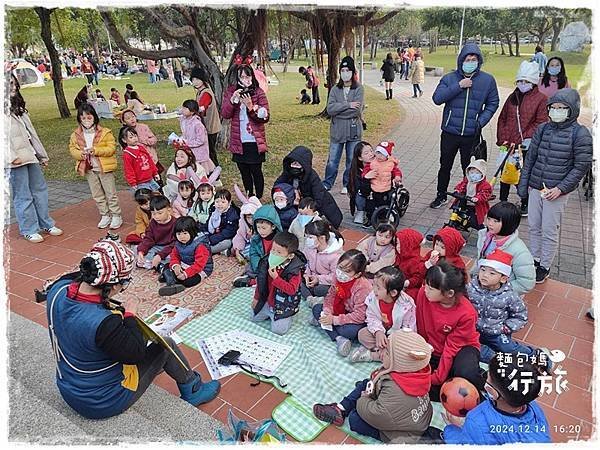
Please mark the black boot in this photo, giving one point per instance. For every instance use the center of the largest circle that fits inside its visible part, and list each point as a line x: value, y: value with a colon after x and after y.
x: 172, y: 287
x: 391, y: 94
x: 387, y: 94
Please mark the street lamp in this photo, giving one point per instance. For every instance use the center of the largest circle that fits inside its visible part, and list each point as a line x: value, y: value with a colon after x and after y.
x: 462, y: 26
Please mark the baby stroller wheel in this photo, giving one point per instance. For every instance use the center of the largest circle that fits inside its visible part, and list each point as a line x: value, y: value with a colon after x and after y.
x: 403, y: 200
x: 384, y: 214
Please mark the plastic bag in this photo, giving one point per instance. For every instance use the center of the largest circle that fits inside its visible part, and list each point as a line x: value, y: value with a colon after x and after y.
x: 510, y: 174
x: 238, y: 430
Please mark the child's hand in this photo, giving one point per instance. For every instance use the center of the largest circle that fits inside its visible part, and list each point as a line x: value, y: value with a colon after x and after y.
x: 181, y: 275
x: 312, y: 280
x: 406, y: 283
x: 371, y: 174
x: 140, y: 259
x: 381, y: 340
x: 157, y: 177
x: 156, y: 260
x: 273, y: 272
x: 434, y: 258
x: 397, y: 180
x: 254, y: 302
x: 326, y: 319
x: 142, y: 235
x: 474, y: 199
x: 451, y: 419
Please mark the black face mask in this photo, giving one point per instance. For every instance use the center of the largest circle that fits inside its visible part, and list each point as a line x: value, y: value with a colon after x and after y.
x: 296, y: 172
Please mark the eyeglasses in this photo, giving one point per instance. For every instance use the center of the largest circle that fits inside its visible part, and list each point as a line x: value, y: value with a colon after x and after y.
x: 558, y: 108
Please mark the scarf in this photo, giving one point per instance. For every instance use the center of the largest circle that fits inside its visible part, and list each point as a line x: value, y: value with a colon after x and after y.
x: 343, y: 291
x: 491, y: 243
x: 413, y: 383
x: 214, y: 222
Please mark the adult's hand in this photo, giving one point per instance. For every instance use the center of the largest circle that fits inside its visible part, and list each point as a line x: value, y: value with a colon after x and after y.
x: 235, y: 97
x: 354, y: 105
x: 553, y: 194
x: 247, y: 100
x: 465, y: 83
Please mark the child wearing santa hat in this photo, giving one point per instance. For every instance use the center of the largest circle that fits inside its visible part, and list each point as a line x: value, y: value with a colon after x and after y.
x: 477, y: 187
x: 382, y: 172
x: 501, y: 311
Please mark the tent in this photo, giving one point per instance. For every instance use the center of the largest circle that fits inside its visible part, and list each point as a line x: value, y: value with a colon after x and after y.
x: 27, y: 74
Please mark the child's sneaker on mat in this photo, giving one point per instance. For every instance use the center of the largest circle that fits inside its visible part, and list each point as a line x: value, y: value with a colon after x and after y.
x: 312, y: 301
x: 312, y: 321
x: 329, y: 413
x: 242, y: 281
x: 361, y: 354
x: 344, y: 345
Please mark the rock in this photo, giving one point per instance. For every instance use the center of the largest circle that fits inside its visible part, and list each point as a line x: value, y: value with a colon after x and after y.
x: 573, y: 37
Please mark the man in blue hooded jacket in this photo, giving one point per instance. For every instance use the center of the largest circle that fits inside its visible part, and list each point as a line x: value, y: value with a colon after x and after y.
x: 470, y: 98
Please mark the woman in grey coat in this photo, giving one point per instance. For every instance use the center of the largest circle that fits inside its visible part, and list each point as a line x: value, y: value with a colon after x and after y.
x: 344, y: 106
x: 559, y: 156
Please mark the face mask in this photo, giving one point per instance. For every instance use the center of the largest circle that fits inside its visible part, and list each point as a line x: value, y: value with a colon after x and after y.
x: 275, y: 260
x: 475, y: 177
x: 469, y: 66
x: 280, y: 204
x: 558, y: 115
x: 524, y: 87
x: 341, y: 276
x: 346, y: 76
x: 87, y: 123
x: 304, y: 219
x: 553, y: 71
x: 310, y: 242
x: 295, y: 171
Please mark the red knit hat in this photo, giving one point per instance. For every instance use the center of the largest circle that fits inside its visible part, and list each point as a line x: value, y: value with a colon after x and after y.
x: 498, y: 260
x: 385, y: 148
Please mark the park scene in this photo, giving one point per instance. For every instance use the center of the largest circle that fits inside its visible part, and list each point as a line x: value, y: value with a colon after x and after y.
x: 299, y: 224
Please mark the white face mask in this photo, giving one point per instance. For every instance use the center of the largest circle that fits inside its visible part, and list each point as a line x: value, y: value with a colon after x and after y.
x: 342, y: 276
x: 280, y: 204
x: 346, y: 76
x: 558, y: 115
x: 310, y: 242
x: 87, y: 123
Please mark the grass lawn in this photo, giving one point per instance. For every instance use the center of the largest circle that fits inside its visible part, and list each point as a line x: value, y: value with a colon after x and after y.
x: 291, y: 124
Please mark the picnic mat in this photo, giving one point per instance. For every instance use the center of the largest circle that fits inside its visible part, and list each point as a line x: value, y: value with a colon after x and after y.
x: 313, y: 371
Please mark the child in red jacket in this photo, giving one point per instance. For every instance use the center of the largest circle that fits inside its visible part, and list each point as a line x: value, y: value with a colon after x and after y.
x: 447, y: 319
x: 409, y: 261
x: 447, y: 244
x: 138, y: 166
x: 477, y: 187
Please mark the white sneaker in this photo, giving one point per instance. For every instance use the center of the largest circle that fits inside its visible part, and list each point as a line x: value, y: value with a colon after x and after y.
x: 344, y: 190
x: 54, y: 231
x: 359, y: 217
x: 36, y: 238
x: 115, y: 222
x: 312, y: 301
x: 104, y: 222
x: 361, y: 354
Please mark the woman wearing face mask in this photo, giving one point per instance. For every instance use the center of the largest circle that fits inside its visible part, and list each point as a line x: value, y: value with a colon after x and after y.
x: 559, y: 156
x: 209, y: 112
x: 521, y: 114
x: 344, y: 107
x: 246, y: 104
x: 554, y: 77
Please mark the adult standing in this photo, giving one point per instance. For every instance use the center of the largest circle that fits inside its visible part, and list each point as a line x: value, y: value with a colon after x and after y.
x: 246, y: 104
x: 559, y: 156
x: 344, y: 107
x: 540, y: 59
x: 524, y: 109
x: 470, y: 98
x: 87, y: 69
x: 209, y: 112
x: 151, y: 68
x: 177, y: 71
x: 554, y: 77
x: 405, y: 63
x: 417, y: 74
x: 28, y: 186
x: 388, y: 74
x: 312, y: 82
x: 103, y: 365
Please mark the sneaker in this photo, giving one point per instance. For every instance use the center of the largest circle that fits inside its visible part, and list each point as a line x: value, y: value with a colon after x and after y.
x: 438, y: 202
x: 344, y: 345
x: 366, y: 223
x: 420, y: 93
x: 524, y: 212
x: 543, y: 350
x: 242, y: 281
x: 116, y: 222
x: 226, y: 252
x: 330, y: 413
x: 312, y: 321
x: 104, y: 222
x: 165, y: 291
x: 536, y: 263
x: 36, y: 238
x: 361, y: 354
x: 54, y: 231
x: 590, y: 314
x: 359, y: 217
x: 312, y: 301
x: 541, y: 273
x: 344, y: 190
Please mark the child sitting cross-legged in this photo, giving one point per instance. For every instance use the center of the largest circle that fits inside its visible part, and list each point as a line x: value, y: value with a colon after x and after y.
x: 505, y: 407
x: 389, y: 309
x: 379, y: 249
x: 142, y: 215
x: 191, y: 260
x: 343, y: 312
x: 277, y: 293
x: 307, y: 213
x: 501, y: 310
x: 158, y: 241
x: 223, y: 223
x: 393, y: 405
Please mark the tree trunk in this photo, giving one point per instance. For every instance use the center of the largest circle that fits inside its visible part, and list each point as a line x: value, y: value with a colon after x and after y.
x: 508, y: 38
x: 59, y: 93
x: 557, y: 24
x: 517, y: 44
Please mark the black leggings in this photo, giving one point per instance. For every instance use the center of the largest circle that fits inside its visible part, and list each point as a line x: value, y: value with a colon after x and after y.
x: 253, y: 179
x: 464, y: 365
x: 212, y: 148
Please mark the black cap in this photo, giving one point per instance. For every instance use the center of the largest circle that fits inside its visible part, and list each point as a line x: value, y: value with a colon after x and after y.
x: 348, y: 62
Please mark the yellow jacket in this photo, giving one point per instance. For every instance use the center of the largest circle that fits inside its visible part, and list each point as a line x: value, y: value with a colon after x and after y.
x: 142, y: 221
x: 104, y: 148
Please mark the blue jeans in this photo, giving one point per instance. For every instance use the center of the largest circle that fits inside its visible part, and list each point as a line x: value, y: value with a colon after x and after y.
x: 30, y: 198
x: 152, y: 77
x: 360, y: 202
x: 503, y: 343
x: 279, y: 326
x: 357, y: 424
x: 349, y: 331
x: 333, y: 162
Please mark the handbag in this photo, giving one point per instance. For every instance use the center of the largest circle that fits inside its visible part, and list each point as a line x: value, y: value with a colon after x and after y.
x: 479, y: 150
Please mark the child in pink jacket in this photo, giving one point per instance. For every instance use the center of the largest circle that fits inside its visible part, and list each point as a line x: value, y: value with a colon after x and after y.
x: 194, y: 134
x: 241, y: 241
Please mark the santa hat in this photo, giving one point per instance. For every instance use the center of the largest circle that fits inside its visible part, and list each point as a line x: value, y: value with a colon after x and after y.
x: 478, y: 164
x: 385, y: 148
x: 498, y: 260
x: 278, y: 193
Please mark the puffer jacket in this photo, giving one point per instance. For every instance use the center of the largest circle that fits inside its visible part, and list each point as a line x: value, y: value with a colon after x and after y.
x: 289, y: 213
x: 522, y: 275
x: 257, y: 249
x: 24, y: 143
x: 104, y: 148
x: 409, y: 259
x: 500, y: 312
x: 231, y: 111
x: 560, y: 154
x: 345, y: 121
x: 310, y: 185
x: 323, y: 264
x: 464, y: 108
x: 529, y: 110
x: 388, y: 69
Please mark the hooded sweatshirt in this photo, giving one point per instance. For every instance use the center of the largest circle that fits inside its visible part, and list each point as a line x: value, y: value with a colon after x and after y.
x: 378, y: 256
x: 464, y: 109
x: 289, y: 213
x: 323, y: 264
x: 481, y: 190
x: 403, y: 314
x: 454, y: 242
x: 259, y: 246
x: 244, y: 232
x: 409, y: 259
x: 310, y: 184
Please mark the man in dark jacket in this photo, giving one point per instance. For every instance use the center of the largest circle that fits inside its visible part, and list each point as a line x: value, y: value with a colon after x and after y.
x: 298, y: 171
x: 559, y: 156
x: 471, y: 99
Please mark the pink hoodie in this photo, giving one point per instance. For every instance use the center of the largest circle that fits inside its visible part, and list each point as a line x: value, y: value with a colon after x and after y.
x: 323, y: 264
x: 244, y: 233
x: 195, y: 137
x: 147, y: 138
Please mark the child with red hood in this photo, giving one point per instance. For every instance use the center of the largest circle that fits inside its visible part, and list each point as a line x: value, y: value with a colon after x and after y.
x: 477, y: 187
x: 447, y: 244
x: 409, y: 261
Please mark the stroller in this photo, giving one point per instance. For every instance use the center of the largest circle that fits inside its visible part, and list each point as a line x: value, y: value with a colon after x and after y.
x: 460, y: 219
x: 394, y: 210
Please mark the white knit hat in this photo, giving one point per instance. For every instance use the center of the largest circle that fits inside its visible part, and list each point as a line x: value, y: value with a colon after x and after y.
x: 529, y: 71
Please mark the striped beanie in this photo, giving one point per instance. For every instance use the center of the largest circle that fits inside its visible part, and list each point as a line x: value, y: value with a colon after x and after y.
x: 113, y: 261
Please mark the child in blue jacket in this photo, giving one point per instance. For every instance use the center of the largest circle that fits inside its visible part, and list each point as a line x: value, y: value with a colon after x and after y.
x: 283, y: 198
x: 223, y: 223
